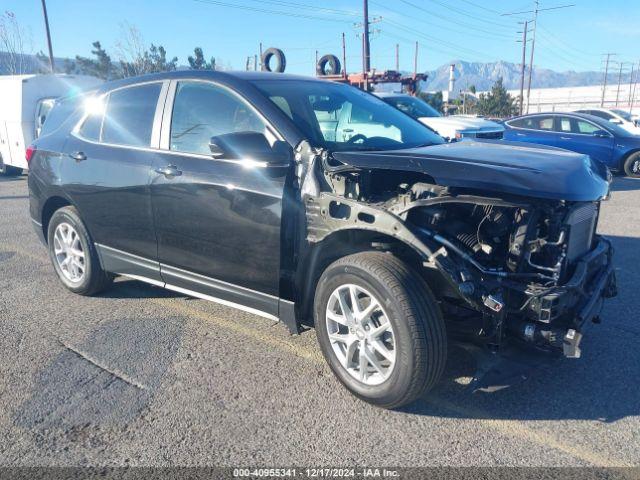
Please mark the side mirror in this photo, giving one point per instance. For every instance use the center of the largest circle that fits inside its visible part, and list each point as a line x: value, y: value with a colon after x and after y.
x: 601, y: 133
x: 250, y: 146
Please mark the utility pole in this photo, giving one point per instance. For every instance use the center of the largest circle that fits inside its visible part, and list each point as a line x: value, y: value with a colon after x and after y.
x: 46, y: 25
x: 260, y: 55
x: 630, y: 87
x: 415, y: 62
x: 535, y: 12
x: 366, y: 54
x: 635, y: 84
x: 533, y: 46
x: 397, y: 57
x: 344, y: 57
x: 619, y: 82
x: 523, y: 65
x: 604, y: 81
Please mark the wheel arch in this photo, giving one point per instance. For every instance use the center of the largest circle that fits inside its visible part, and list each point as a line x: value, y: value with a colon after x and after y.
x: 336, y: 245
x: 625, y: 157
x: 50, y: 206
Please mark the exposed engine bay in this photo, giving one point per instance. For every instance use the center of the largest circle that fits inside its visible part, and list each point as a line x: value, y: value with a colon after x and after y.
x: 506, y: 269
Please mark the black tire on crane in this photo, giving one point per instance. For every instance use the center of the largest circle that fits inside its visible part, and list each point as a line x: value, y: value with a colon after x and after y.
x: 281, y: 61
x: 334, y: 65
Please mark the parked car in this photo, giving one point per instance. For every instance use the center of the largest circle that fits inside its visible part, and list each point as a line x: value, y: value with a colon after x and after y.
x: 614, y: 115
x: 25, y: 101
x: 600, y: 139
x: 229, y: 187
x: 453, y: 127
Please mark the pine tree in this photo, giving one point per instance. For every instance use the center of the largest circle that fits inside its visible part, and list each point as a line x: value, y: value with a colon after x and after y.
x: 498, y: 102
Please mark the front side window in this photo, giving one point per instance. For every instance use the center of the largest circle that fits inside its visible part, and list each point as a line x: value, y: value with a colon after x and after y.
x: 340, y: 117
x: 129, y: 113
x: 203, y: 110
x: 585, y: 127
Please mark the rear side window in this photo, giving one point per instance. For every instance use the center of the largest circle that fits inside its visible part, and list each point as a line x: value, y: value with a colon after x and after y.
x: 129, y: 114
x: 533, y: 123
x: 61, y: 111
x: 202, y: 110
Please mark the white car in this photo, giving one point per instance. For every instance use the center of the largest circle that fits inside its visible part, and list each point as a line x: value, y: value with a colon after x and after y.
x: 451, y: 127
x: 614, y: 115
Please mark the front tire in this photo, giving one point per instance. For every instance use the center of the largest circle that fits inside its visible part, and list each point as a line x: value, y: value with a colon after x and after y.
x: 632, y: 165
x: 74, y: 255
x: 380, y: 328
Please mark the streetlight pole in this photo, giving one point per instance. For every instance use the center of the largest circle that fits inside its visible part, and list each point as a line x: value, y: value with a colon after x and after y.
x: 46, y: 25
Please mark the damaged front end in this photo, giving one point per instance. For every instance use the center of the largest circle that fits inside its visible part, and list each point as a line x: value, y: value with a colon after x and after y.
x: 512, y: 273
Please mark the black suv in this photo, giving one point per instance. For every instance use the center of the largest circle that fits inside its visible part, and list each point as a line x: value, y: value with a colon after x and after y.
x: 313, y: 202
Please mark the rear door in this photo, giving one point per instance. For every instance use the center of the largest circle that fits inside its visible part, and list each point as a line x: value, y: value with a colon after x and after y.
x: 576, y: 134
x: 107, y: 170
x: 218, y: 220
x: 534, y: 129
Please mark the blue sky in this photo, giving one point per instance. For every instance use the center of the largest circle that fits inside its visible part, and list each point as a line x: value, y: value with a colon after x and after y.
x: 568, y: 39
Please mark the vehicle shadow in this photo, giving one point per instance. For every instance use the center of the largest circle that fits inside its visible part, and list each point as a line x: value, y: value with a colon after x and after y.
x: 19, y: 178
x: 602, y: 385
x: 625, y: 184
x: 126, y: 288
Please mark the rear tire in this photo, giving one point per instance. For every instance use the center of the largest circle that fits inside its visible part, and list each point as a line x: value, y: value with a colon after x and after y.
x: 416, y: 328
x: 73, y: 254
x: 632, y: 165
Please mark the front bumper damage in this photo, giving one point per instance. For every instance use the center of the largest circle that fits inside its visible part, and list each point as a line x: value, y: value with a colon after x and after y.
x: 562, y: 319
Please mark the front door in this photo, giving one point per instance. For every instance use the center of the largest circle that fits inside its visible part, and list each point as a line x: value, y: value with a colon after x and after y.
x: 218, y: 220
x: 577, y: 135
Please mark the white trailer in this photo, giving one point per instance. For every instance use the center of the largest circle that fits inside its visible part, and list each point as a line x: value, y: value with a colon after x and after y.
x: 25, y: 101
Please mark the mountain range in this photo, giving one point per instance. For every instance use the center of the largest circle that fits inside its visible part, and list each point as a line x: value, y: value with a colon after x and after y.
x: 484, y: 75
x: 481, y: 75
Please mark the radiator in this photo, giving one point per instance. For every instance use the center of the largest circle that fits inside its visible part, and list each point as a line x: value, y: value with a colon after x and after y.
x: 581, y: 223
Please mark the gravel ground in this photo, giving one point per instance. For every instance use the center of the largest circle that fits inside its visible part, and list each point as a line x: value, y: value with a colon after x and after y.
x: 140, y: 376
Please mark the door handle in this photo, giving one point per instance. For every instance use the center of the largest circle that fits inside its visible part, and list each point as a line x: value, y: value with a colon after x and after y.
x: 520, y: 134
x: 169, y: 171
x: 565, y: 138
x: 78, y: 156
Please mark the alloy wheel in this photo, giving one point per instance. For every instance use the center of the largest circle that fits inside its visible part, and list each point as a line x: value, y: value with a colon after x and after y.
x: 361, y: 334
x: 69, y: 252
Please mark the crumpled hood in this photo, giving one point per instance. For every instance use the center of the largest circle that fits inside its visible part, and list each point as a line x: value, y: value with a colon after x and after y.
x: 504, y: 167
x: 461, y: 123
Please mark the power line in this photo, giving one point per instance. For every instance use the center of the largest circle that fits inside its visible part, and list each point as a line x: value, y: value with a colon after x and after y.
x: 449, y: 19
x: 469, y: 29
x: 272, y: 12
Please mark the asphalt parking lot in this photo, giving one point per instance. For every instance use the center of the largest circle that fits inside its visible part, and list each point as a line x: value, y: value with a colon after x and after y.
x: 142, y: 376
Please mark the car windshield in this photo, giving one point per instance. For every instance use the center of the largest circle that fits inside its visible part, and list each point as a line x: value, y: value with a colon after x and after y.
x: 623, y: 114
x: 412, y: 106
x: 339, y: 117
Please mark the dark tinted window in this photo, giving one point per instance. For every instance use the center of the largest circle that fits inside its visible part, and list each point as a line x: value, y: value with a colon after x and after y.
x: 90, y: 129
x: 598, y: 113
x: 412, y: 106
x: 533, y: 123
x: 202, y: 110
x: 61, y: 111
x: 129, y: 115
